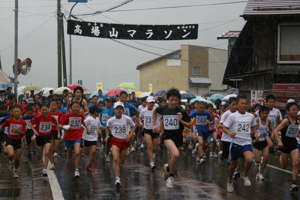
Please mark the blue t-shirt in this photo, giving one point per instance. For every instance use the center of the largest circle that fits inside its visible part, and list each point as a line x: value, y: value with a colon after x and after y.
x: 7, y: 114
x: 27, y: 120
x: 201, y: 124
x: 65, y: 103
x: 128, y: 109
x: 101, y: 98
x: 107, y: 112
x: 2, y: 121
x: 63, y: 110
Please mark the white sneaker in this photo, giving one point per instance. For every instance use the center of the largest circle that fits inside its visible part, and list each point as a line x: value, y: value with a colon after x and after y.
x: 117, y: 181
x: 215, y: 155
x: 77, y: 174
x: 107, y: 158
x: 170, y: 181
x: 197, y: 159
x: 132, y: 149
x: 16, y: 174
x: 204, y: 158
x: 246, y: 180
x: 52, y: 167
x: 230, y: 187
x: 152, y: 165
x: 54, y: 154
x: 260, y: 177
x: 142, y: 146
x: 211, y: 154
x: 154, y: 155
x: 201, y: 161
x: 45, y: 172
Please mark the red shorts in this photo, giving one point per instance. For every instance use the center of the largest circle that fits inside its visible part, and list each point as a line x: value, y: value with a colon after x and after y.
x: 121, y: 143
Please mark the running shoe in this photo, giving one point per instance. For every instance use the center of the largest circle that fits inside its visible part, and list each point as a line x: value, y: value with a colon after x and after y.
x: 142, y: 146
x: 54, y: 154
x: 52, y: 167
x: 202, y: 161
x: 166, y: 173
x: 246, y: 180
x: 89, y: 168
x: 132, y: 149
x: 170, y: 181
x: 45, y: 172
x: 77, y: 174
x: 230, y: 186
x: 211, y: 154
x: 152, y: 165
x: 260, y: 177
x: 198, y: 159
x: 204, y: 158
x: 236, y: 175
x: 107, y: 158
x: 294, y: 188
x: 16, y: 174
x: 117, y: 181
x: 215, y: 155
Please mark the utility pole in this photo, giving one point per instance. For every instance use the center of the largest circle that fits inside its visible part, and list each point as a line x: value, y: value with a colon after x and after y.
x: 63, y: 53
x: 16, y: 51
x: 59, y: 40
x: 70, y: 46
x: 0, y: 63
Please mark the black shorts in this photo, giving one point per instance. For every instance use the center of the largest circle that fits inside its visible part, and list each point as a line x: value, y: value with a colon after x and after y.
x: 289, y: 145
x: 260, y: 145
x: 150, y: 132
x: 176, y: 138
x: 3, y: 136
x: 29, y: 135
x: 43, y: 139
x: 16, y: 143
x: 225, y: 149
x: 54, y: 134
x: 87, y: 143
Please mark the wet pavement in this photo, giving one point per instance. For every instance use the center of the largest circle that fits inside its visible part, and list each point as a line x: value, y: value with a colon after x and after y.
x: 192, y: 181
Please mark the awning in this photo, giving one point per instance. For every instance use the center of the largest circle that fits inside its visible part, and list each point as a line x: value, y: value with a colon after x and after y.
x: 193, y: 81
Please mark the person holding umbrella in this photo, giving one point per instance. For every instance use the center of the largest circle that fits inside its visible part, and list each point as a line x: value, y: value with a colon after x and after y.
x: 101, y: 97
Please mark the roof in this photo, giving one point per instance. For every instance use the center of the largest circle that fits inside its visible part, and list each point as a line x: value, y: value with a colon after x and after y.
x: 272, y: 7
x: 200, y: 80
x: 229, y: 34
x: 4, y: 78
x: 157, y: 59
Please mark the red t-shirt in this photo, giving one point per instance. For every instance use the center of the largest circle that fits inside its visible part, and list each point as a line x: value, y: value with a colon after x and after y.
x: 75, y: 132
x: 10, y: 123
x: 57, y: 115
x: 37, y: 112
x: 8, y: 105
x: 43, y: 125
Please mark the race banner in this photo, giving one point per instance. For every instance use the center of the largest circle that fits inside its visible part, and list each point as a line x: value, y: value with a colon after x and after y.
x: 133, y: 32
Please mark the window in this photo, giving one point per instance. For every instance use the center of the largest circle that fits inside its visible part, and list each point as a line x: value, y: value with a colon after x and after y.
x: 289, y: 43
x: 197, y: 71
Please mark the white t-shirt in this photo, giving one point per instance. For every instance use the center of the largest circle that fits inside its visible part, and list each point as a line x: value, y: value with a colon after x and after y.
x: 272, y: 116
x: 94, y: 125
x: 241, y: 124
x: 262, y: 130
x: 225, y: 137
x: 147, y: 117
x: 120, y: 127
x: 141, y: 107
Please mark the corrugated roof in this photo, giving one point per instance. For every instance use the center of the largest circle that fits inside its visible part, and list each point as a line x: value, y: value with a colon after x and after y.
x: 200, y: 80
x: 229, y: 34
x: 272, y: 7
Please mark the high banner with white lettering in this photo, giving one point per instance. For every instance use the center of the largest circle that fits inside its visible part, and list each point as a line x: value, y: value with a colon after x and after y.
x: 133, y: 32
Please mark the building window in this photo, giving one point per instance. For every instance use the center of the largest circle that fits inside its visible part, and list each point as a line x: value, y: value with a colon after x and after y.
x: 197, y: 71
x: 288, y: 43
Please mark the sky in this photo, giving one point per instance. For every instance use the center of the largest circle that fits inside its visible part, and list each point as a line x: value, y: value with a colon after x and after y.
x: 97, y: 60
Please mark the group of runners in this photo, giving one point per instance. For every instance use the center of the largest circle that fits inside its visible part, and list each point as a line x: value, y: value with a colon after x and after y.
x: 116, y: 124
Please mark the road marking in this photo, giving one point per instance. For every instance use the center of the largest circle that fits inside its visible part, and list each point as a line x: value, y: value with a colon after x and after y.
x: 280, y: 169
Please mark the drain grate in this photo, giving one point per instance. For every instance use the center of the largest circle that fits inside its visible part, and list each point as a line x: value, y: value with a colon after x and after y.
x: 14, y: 192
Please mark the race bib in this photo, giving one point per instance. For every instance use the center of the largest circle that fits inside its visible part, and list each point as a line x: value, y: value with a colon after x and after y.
x: 126, y: 111
x: 28, y: 124
x: 201, y: 120
x: 171, y: 122
x: 45, y: 127
x: 93, y: 130
x: 148, y: 120
x: 273, y: 122
x: 104, y: 118
x: 119, y: 129
x: 262, y: 135
x: 13, y: 132
x: 243, y: 128
x: 292, y: 131
x: 75, y: 122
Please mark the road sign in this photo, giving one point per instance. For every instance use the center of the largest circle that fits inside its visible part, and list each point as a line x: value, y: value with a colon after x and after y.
x: 99, y: 86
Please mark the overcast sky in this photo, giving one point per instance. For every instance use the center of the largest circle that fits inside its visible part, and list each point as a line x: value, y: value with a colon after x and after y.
x: 103, y: 60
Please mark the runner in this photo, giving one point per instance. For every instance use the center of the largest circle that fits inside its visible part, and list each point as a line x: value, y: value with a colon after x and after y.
x: 30, y: 137
x: 78, y: 91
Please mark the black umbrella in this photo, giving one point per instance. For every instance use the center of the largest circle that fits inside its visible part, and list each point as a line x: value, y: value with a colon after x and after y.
x: 187, y: 95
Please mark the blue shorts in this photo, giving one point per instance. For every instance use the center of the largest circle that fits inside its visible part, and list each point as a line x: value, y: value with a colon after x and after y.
x: 70, y: 143
x: 205, y: 135
x: 299, y: 148
x: 236, y: 151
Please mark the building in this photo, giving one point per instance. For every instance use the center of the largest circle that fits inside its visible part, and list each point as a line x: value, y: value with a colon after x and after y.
x: 267, y: 51
x: 195, y: 69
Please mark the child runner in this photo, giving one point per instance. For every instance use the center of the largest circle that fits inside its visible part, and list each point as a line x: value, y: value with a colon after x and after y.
x: 288, y: 144
x: 90, y: 140
x: 174, y: 119
x: 94, y: 101
x: 122, y: 128
x: 239, y: 126
x: 140, y: 129
x: 146, y: 116
x: 43, y: 131
x: 30, y: 137
x: 73, y: 133
x: 212, y: 109
x: 16, y: 131
x: 60, y: 107
x: 78, y: 91
x: 3, y: 114
x: 264, y: 126
x: 203, y: 121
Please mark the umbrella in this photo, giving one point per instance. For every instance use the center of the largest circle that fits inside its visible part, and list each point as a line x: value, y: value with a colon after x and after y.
x: 73, y: 86
x: 61, y: 89
x: 5, y: 85
x: 198, y: 98
x: 157, y: 93
x: 137, y: 94
x: 31, y: 87
x: 96, y: 93
x: 114, y: 92
x: 214, y: 97
x: 187, y: 95
x: 233, y: 91
x: 226, y: 98
x: 144, y: 94
x: 127, y: 86
x: 46, y: 91
x: 208, y: 94
x: 20, y: 89
x: 182, y: 92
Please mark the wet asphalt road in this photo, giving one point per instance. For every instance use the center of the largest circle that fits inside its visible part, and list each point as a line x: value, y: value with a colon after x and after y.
x: 192, y: 181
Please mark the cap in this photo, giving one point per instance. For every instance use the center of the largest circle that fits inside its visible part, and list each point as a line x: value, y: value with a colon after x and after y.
x: 298, y: 113
x: 118, y: 104
x: 133, y: 92
x: 109, y: 98
x: 291, y: 101
x: 150, y: 99
x: 29, y: 100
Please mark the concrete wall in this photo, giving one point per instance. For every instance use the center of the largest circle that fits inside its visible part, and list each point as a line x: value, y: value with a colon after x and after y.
x: 198, y: 57
x: 198, y: 91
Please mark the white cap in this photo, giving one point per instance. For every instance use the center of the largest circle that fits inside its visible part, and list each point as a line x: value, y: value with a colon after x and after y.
x: 298, y: 113
x: 118, y: 104
x: 291, y: 101
x: 150, y: 99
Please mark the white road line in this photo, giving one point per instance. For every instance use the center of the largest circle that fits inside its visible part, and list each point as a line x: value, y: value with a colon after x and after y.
x: 280, y: 169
